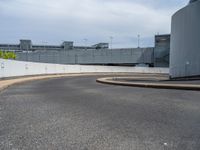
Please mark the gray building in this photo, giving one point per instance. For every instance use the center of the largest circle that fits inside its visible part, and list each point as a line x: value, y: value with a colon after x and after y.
x: 161, y: 50
x: 25, y: 45
x: 101, y: 46
x: 67, y: 45
x: 185, y: 41
x: 98, y: 54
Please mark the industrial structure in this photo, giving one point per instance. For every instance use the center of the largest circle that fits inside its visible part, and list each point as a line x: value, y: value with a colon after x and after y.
x: 185, y: 41
x: 161, y: 50
x: 98, y: 54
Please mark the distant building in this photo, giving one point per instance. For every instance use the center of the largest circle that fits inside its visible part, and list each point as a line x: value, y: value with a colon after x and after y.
x: 25, y: 45
x: 68, y: 45
x: 101, y: 46
x: 161, y: 50
x: 98, y: 54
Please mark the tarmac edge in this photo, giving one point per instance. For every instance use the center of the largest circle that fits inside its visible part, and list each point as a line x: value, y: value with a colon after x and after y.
x: 4, y: 84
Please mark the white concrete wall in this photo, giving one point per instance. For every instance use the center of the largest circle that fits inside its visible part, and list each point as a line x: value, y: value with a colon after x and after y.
x: 11, y: 68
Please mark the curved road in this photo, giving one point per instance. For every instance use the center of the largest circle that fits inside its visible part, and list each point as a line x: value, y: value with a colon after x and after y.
x: 76, y: 113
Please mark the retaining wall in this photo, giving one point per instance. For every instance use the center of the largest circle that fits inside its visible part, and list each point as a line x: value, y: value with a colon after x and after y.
x: 12, y: 68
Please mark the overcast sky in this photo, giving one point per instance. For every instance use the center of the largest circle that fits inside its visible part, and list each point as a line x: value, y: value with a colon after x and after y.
x: 53, y: 21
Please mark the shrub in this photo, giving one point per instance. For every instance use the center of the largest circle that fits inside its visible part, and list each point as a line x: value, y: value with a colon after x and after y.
x: 7, y: 55
x: 1, y: 54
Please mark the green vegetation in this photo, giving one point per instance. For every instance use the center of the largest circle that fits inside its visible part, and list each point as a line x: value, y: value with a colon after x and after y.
x: 7, y: 55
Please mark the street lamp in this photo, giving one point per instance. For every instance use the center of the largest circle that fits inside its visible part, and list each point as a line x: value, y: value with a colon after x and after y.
x: 44, y: 45
x: 143, y: 55
x: 43, y: 49
x: 27, y: 49
x: 111, y: 41
x: 138, y: 40
x: 85, y: 40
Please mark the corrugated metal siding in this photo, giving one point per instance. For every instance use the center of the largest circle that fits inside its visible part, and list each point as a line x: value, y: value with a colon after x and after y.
x: 185, y: 42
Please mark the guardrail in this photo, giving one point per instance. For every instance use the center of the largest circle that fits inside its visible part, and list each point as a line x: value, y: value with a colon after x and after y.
x: 12, y: 68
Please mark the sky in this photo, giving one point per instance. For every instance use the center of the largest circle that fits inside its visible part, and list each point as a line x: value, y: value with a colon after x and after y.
x: 86, y: 22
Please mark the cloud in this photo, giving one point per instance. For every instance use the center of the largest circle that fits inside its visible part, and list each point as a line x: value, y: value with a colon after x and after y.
x: 56, y: 20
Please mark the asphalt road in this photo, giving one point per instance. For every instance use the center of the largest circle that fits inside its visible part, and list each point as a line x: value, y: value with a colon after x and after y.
x: 76, y: 113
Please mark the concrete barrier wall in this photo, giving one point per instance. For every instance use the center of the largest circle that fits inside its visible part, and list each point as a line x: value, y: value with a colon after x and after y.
x: 12, y: 68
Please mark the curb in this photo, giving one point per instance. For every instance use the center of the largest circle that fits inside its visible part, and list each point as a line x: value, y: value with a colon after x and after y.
x: 109, y: 80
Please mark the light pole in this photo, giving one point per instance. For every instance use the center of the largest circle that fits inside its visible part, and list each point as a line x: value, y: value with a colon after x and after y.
x: 26, y: 52
x: 111, y: 42
x: 44, y: 45
x: 83, y: 54
x: 138, y: 40
x: 8, y: 47
x: 85, y: 41
x: 43, y: 49
x: 143, y: 59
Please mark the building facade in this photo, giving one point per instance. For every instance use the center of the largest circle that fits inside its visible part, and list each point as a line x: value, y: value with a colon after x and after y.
x: 161, y: 50
x: 98, y: 54
x: 185, y: 41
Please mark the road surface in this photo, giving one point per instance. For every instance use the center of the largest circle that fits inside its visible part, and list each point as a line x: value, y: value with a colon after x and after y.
x: 76, y: 113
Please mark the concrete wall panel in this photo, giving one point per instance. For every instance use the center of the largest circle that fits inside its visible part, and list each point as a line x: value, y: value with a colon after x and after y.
x: 11, y: 68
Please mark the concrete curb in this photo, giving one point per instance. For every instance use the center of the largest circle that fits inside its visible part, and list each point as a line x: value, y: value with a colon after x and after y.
x: 7, y: 83
x: 109, y: 80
